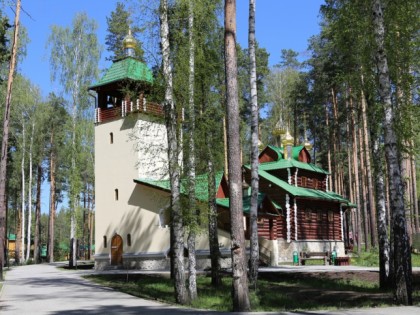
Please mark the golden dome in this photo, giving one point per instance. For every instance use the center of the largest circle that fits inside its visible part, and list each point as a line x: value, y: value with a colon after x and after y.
x: 129, y: 41
x: 307, y: 145
x: 279, y: 128
x: 288, y: 140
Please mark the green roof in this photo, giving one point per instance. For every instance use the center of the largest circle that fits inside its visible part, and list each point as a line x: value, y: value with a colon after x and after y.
x: 282, y: 164
x: 128, y: 68
x: 303, y: 192
x: 280, y: 151
x: 246, y: 202
x: 201, y: 185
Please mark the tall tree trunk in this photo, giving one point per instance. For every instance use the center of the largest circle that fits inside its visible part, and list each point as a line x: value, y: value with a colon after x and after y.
x: 18, y: 252
x: 213, y: 232
x: 23, y: 198
x: 240, y: 296
x: 28, y: 231
x: 402, y: 256
x: 384, y: 253
x: 5, y: 140
x: 177, y: 227
x: 192, y: 273
x: 253, y: 215
x: 366, y: 229
x: 52, y: 199
x: 38, y: 214
x: 366, y: 141
x: 356, y: 177
x: 331, y: 178
x: 414, y: 190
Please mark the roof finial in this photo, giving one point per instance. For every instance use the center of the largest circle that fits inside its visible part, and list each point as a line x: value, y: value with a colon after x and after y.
x: 129, y: 44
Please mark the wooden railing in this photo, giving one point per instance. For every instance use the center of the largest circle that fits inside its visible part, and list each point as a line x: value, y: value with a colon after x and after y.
x: 104, y: 115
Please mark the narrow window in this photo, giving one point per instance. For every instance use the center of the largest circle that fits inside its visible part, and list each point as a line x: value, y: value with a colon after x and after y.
x: 105, y: 243
x: 129, y: 239
x: 116, y: 194
x: 315, y: 183
x: 303, y: 181
x: 111, y: 137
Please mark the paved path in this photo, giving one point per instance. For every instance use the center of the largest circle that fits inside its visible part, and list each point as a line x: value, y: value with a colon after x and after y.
x: 45, y: 289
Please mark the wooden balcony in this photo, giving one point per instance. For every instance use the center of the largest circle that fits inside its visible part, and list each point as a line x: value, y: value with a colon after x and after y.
x: 125, y: 108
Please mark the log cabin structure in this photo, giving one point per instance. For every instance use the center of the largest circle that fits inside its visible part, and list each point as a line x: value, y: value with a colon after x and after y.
x: 296, y: 212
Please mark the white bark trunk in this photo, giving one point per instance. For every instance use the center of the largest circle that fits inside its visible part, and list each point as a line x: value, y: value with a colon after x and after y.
x: 22, y: 170
x: 28, y: 235
x: 254, y: 259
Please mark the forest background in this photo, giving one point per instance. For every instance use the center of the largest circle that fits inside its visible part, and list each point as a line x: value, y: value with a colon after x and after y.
x: 276, y: 18
x: 331, y: 88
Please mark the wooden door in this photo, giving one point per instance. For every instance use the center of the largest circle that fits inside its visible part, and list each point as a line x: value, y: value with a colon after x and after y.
x: 116, y: 250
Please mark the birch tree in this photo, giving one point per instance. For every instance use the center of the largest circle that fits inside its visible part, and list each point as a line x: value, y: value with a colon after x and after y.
x: 402, y: 256
x: 177, y: 228
x: 253, y: 263
x: 240, y: 296
x: 74, y: 56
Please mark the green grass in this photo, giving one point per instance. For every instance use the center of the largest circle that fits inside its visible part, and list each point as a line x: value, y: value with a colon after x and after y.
x: 276, y: 292
x: 371, y: 259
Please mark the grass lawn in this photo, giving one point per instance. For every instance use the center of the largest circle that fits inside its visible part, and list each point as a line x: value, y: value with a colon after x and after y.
x: 276, y: 291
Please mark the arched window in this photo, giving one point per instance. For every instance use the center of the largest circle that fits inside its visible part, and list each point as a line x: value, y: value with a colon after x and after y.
x: 116, y: 194
x: 105, y: 242
x: 129, y: 239
x: 111, y: 137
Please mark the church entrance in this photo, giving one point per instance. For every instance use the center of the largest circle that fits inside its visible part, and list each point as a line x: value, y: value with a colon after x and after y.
x: 116, y: 250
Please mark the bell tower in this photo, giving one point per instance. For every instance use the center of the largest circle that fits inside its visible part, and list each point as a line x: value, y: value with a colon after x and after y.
x: 130, y: 143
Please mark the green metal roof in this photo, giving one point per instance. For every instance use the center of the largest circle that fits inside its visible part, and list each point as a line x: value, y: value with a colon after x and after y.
x: 282, y: 164
x: 303, y: 192
x: 128, y: 68
x: 201, y: 185
x: 246, y: 202
x: 280, y: 151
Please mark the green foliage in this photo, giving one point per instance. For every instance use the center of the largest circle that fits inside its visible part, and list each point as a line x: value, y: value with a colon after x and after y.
x: 118, y: 25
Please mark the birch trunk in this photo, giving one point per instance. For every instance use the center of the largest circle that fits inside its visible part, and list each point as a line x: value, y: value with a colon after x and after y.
x: 22, y: 170
x: 240, y: 296
x: 384, y: 251
x: 192, y: 273
x: 5, y: 140
x: 28, y: 235
x: 253, y: 216
x: 177, y: 228
x: 52, y: 200
x: 402, y: 255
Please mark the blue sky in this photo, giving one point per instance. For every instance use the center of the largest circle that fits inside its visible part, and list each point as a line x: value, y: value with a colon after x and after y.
x: 280, y: 24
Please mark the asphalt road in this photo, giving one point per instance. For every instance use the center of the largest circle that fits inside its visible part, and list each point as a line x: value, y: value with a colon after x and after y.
x: 46, y: 289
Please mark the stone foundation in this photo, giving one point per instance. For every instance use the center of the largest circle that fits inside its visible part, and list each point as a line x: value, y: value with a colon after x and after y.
x: 160, y: 261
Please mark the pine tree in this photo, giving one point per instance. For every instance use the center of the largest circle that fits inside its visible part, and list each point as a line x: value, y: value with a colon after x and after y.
x: 118, y: 25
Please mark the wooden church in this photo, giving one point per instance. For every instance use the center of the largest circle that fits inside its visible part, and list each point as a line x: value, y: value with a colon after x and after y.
x: 296, y: 212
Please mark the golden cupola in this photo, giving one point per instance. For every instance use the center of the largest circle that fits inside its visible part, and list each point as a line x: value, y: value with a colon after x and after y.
x: 129, y: 44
